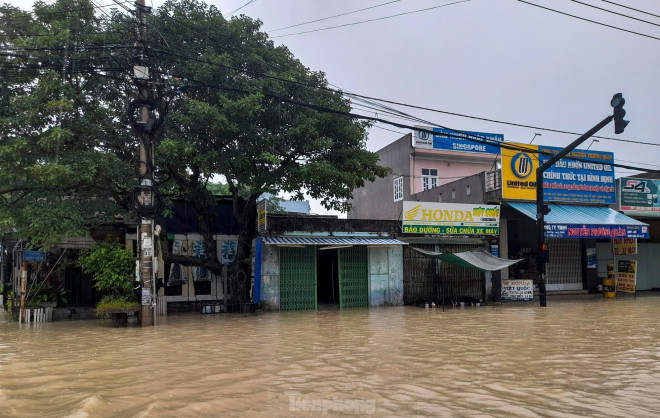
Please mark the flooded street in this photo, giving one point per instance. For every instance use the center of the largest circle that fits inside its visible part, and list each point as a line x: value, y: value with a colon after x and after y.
x: 591, y: 357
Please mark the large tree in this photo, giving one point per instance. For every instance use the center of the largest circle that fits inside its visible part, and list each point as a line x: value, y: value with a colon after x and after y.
x: 241, y: 109
x: 64, y: 141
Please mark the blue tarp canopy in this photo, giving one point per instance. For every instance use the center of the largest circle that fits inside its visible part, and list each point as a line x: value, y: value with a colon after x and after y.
x: 568, y: 221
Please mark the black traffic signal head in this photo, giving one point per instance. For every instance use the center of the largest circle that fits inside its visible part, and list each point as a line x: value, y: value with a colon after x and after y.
x: 545, y: 209
x: 545, y: 254
x: 617, y: 103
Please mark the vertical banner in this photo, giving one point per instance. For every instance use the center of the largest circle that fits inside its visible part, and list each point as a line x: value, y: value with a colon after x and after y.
x: 261, y: 216
x: 592, y: 258
x: 624, y: 246
x: 519, y: 172
x: 626, y: 279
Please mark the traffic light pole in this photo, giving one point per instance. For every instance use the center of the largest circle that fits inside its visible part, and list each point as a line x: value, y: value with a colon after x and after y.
x: 540, y: 215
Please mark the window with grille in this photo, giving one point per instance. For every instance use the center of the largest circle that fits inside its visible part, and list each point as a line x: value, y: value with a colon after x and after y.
x: 429, y: 178
x: 398, y: 189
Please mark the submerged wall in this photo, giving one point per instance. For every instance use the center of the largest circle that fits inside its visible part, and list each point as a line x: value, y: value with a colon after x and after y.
x: 270, y: 278
x: 385, y: 276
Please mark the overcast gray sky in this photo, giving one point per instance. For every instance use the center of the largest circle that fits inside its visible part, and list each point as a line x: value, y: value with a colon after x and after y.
x: 497, y: 59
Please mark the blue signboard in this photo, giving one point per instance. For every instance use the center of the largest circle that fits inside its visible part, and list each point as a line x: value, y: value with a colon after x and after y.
x: 466, y: 141
x: 34, y: 256
x: 458, y: 141
x: 587, y: 180
x: 596, y: 231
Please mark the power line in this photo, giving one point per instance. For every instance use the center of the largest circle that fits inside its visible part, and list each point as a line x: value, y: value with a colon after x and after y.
x: 631, y: 8
x: 613, y: 12
x: 372, y: 20
x: 332, y: 17
x: 403, y: 104
x: 246, y: 4
x: 589, y: 20
x: 65, y: 12
x: 501, y: 122
x: 460, y: 134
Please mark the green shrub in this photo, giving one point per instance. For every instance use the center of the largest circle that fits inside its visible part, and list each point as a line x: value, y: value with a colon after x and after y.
x: 113, y: 268
x: 110, y: 305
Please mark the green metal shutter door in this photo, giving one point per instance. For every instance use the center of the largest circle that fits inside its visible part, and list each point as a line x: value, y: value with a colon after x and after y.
x: 297, y: 278
x: 353, y: 277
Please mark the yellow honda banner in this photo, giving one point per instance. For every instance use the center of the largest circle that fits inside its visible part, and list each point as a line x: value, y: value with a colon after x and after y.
x: 519, y: 171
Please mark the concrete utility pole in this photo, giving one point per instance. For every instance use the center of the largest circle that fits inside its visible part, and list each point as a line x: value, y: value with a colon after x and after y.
x: 147, y: 116
x: 542, y: 210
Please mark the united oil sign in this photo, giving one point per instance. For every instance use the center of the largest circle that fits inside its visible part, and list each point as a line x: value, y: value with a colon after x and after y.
x: 584, y: 176
x: 450, y: 219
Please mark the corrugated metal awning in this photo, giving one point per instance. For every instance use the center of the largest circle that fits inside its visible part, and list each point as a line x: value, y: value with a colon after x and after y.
x: 340, y: 241
x: 567, y: 221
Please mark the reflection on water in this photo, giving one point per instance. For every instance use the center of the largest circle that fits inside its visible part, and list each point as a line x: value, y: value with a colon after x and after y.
x: 591, y: 357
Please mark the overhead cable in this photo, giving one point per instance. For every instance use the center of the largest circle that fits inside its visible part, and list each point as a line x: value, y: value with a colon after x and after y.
x: 613, y: 12
x: 341, y: 91
x: 372, y: 20
x: 589, y: 20
x: 630, y: 8
x: 334, y: 16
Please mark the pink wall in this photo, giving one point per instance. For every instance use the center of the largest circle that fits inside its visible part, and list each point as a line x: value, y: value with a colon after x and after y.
x: 451, y: 166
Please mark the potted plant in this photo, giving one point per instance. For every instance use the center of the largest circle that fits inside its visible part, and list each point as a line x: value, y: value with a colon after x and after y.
x: 112, y: 267
x: 46, y: 296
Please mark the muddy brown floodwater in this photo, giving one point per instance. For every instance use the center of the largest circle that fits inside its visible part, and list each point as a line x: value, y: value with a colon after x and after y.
x: 574, y: 358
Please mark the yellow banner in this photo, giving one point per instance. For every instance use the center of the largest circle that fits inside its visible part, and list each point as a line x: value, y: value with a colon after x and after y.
x: 626, y: 279
x: 625, y: 246
x: 519, y: 172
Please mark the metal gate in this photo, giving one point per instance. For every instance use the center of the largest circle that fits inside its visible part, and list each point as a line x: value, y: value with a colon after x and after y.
x: 420, y: 275
x: 353, y: 277
x: 297, y: 278
x: 565, y: 265
x: 425, y: 279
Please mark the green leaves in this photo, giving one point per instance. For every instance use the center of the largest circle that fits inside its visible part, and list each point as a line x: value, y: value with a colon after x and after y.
x: 113, y: 268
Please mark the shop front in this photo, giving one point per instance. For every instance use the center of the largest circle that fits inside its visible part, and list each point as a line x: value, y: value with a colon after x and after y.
x: 446, y: 228
x: 304, y: 272
x: 570, y: 231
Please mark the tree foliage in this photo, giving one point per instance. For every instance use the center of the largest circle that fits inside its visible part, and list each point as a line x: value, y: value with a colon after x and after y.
x: 113, y: 268
x: 68, y: 156
x: 64, y: 142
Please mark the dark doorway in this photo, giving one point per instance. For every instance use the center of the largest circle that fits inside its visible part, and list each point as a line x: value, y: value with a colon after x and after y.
x: 327, y: 278
x: 80, y: 287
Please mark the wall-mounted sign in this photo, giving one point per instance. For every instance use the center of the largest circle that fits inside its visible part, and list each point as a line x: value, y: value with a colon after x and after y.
x: 596, y: 231
x: 519, y: 172
x: 34, y: 256
x: 261, y: 216
x: 588, y: 180
x: 517, y: 290
x: 146, y: 296
x: 450, y: 219
x: 624, y: 246
x: 626, y: 278
x: 640, y: 195
x: 446, y: 139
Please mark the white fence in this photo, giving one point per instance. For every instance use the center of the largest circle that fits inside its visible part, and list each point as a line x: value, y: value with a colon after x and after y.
x: 38, y: 315
x: 161, y: 306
